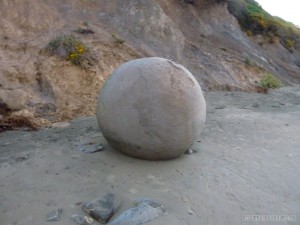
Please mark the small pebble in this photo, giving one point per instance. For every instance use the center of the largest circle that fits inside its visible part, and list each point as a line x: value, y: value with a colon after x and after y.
x: 190, y: 151
x: 54, y: 215
x: 275, y: 106
x: 220, y: 107
x: 82, y: 220
x: 190, y: 211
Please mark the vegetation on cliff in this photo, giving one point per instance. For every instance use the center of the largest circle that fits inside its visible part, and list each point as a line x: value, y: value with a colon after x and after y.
x: 269, y: 81
x: 69, y: 48
x: 254, y: 20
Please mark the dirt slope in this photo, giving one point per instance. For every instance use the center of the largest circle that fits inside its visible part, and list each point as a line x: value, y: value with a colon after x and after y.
x: 203, y: 36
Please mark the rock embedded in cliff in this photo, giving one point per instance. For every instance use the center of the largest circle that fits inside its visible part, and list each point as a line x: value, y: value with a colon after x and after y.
x: 151, y: 108
x: 13, y: 99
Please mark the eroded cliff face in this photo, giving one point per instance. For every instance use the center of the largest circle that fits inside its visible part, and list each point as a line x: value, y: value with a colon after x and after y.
x: 202, y: 36
x: 48, y: 88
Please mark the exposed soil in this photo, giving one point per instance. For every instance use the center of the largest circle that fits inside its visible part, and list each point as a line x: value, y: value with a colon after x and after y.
x: 203, y: 37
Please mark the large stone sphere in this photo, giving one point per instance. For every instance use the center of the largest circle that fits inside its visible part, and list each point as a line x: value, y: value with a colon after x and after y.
x: 151, y: 108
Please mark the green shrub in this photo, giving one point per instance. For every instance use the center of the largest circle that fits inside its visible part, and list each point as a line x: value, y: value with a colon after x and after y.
x: 117, y: 39
x: 84, y: 31
x: 69, y: 48
x: 249, y: 33
x: 269, y: 81
x: 254, y: 20
x: 289, y: 43
x: 271, y: 38
x: 247, y: 61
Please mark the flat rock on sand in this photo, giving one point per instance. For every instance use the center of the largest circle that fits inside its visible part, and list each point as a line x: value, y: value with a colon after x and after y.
x: 247, y: 163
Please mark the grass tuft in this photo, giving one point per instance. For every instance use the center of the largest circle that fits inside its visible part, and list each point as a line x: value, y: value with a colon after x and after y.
x: 117, y: 40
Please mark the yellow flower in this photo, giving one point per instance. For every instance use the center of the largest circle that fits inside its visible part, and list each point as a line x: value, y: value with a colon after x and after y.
x: 73, y: 55
x: 80, y: 49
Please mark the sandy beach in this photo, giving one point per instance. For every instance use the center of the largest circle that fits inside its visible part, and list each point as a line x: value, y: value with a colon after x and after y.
x: 246, y: 162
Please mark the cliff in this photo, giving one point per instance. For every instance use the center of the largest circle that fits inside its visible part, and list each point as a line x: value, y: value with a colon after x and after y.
x: 201, y: 35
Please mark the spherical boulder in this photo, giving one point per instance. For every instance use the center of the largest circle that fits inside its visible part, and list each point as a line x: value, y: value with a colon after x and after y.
x: 151, y: 108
